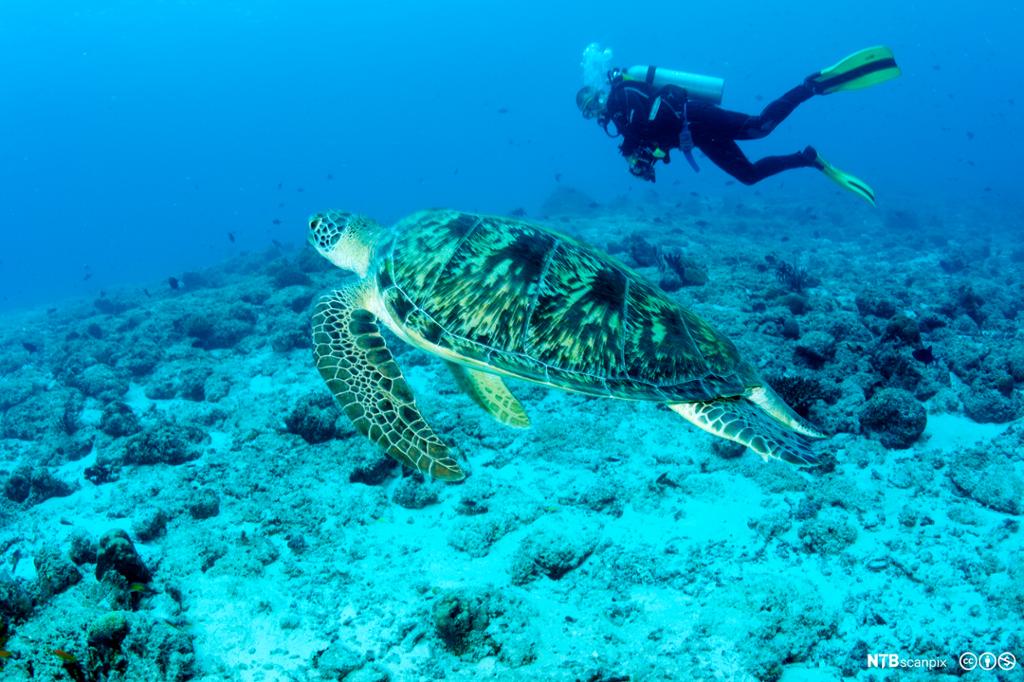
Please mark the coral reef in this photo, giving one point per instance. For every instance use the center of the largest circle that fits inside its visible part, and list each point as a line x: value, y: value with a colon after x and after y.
x: 183, y: 501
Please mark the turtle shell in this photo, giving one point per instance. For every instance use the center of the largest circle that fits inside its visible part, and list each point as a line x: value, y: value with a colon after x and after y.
x: 533, y: 303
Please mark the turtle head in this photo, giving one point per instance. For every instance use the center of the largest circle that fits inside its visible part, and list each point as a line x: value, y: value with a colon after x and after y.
x: 343, y: 238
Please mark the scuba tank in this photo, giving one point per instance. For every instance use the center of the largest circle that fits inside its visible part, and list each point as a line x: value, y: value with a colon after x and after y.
x: 698, y: 87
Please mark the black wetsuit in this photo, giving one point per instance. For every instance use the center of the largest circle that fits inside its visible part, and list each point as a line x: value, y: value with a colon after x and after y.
x: 647, y: 138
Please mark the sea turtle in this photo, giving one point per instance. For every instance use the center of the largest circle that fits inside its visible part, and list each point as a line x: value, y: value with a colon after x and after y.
x: 500, y: 297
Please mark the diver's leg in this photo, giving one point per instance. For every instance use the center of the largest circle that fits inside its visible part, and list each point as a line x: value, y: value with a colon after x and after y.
x: 727, y: 155
x: 735, y: 125
x: 775, y: 113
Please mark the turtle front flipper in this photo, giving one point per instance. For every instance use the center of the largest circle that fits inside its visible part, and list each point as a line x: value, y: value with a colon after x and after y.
x: 490, y: 392
x: 739, y: 420
x: 364, y: 378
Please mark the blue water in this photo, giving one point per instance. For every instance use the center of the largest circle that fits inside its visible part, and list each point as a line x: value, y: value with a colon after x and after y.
x: 137, y: 135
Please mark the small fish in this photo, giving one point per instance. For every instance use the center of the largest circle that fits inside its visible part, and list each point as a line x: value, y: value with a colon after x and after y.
x: 30, y: 347
x: 277, y: 244
x: 184, y: 628
x: 970, y: 135
x: 280, y: 185
x: 64, y: 655
x: 503, y: 110
x: 558, y: 177
x: 276, y: 221
x: 299, y: 189
x: 146, y: 292
x: 924, y: 355
x: 4, y: 653
x: 137, y: 587
x: 330, y: 176
x: 87, y: 276
x: 666, y: 481
x: 51, y: 311
x: 174, y: 283
x: 231, y: 237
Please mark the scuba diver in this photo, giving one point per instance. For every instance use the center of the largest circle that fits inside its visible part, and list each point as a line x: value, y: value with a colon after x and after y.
x: 656, y: 110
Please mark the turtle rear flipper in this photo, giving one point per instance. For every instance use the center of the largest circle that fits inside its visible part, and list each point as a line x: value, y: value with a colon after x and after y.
x: 490, y: 392
x: 363, y: 376
x: 770, y: 401
x: 739, y: 420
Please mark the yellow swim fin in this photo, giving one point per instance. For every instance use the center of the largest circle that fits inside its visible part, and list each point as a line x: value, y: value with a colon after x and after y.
x: 862, y: 69
x: 848, y: 182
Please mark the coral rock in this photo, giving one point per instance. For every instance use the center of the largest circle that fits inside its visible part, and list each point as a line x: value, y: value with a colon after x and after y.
x: 117, y: 553
x: 894, y: 417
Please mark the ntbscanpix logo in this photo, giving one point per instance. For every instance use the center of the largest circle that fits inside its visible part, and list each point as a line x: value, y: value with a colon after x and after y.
x: 896, y: 661
x: 968, y: 661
